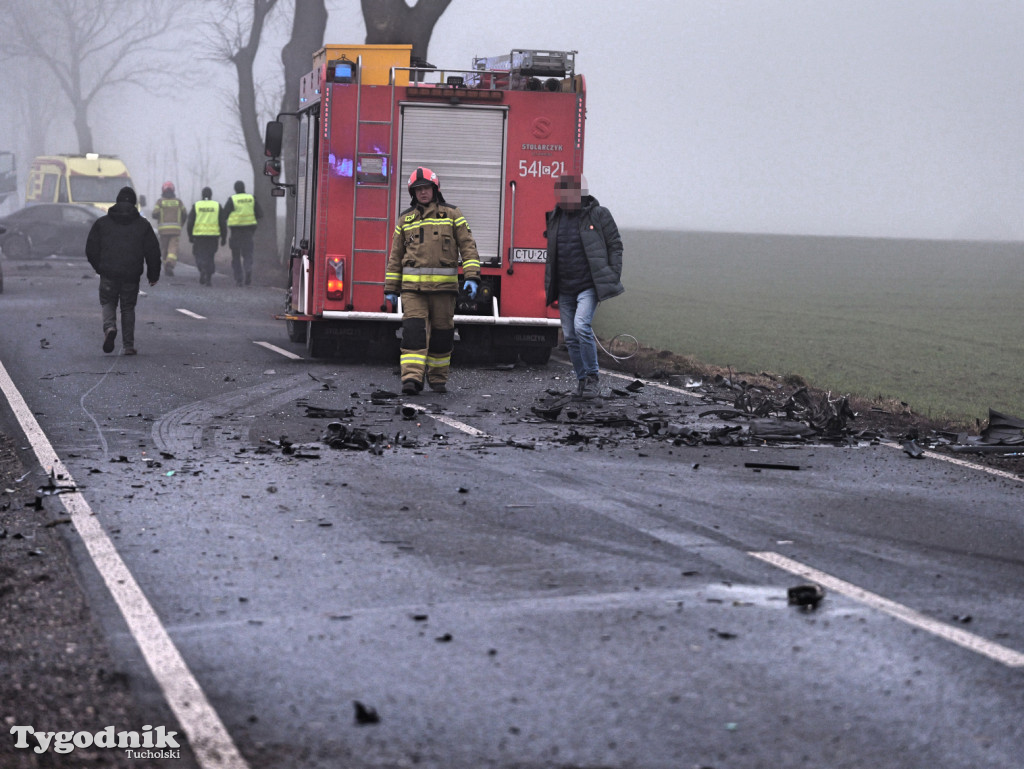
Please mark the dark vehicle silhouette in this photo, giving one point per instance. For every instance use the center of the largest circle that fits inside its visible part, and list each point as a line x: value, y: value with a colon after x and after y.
x: 48, y: 228
x: 8, y: 175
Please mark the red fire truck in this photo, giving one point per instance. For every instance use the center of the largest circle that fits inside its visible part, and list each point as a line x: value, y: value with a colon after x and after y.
x: 497, y: 135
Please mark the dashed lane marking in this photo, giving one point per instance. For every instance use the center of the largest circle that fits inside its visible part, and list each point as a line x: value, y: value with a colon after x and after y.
x: 970, y: 641
x: 278, y: 350
x: 191, y: 314
x: 448, y: 421
x: 207, y: 736
x: 963, y: 463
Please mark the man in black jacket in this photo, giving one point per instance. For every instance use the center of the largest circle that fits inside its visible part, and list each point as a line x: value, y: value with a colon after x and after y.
x: 120, y: 245
x: 584, y: 268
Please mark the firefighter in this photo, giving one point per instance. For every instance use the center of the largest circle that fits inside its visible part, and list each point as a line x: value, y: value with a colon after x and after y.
x: 170, y: 214
x: 429, y: 238
x: 242, y: 212
x: 205, y: 225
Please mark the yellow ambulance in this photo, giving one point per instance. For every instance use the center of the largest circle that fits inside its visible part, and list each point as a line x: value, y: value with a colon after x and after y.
x: 89, y: 179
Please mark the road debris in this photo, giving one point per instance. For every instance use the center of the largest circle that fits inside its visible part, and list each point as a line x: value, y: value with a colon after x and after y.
x: 807, y: 597
x: 365, y: 714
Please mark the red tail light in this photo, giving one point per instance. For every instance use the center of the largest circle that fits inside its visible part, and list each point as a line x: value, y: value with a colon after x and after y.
x: 336, y: 277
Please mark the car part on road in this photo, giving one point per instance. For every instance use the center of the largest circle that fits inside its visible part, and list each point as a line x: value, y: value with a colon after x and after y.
x: 807, y: 597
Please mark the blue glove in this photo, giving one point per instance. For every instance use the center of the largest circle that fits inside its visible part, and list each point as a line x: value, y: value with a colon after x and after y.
x: 393, y: 298
x: 471, y: 287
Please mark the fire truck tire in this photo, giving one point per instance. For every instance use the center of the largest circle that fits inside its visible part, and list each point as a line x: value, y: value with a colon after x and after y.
x: 535, y: 356
x: 296, y: 330
x: 316, y: 347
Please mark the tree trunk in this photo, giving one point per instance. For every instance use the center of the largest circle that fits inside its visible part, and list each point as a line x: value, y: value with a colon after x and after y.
x: 82, y: 128
x: 393, y: 22
x: 307, y: 38
x: 265, y: 260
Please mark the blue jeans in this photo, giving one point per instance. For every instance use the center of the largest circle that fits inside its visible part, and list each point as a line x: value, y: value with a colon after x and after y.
x: 577, y: 313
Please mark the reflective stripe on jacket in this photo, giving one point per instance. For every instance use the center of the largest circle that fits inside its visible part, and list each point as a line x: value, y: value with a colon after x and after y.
x: 207, y: 219
x: 426, y: 247
x: 243, y: 210
x: 170, y: 215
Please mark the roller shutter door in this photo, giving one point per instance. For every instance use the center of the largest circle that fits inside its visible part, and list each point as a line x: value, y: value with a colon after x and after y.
x: 465, y: 147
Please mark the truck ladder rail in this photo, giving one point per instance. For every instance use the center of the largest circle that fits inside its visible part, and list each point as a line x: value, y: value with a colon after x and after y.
x: 362, y: 122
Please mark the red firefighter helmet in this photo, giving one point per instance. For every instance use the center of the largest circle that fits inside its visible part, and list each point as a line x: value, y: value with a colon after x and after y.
x: 168, y: 187
x: 422, y: 176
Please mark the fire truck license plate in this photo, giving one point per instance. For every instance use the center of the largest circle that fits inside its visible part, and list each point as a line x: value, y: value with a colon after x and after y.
x: 529, y: 254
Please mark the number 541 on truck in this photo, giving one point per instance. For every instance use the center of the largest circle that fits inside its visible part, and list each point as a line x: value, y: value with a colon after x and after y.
x: 497, y: 135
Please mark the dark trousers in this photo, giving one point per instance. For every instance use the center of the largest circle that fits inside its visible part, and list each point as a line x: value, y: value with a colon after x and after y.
x: 114, y: 291
x: 204, y: 248
x: 241, y: 242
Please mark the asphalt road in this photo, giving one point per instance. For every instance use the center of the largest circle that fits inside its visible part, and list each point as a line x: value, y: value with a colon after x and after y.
x: 504, y: 591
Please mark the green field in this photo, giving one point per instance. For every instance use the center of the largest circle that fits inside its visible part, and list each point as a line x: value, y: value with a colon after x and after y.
x: 937, y: 324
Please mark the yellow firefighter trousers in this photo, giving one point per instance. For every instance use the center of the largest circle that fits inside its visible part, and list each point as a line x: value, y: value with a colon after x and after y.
x: 428, y: 335
x: 169, y: 245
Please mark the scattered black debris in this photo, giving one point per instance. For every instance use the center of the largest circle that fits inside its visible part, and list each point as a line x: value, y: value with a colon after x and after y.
x: 913, y: 450
x: 963, y: 619
x: 316, y: 412
x: 365, y: 714
x: 807, y: 597
x: 770, y: 466
x: 44, y: 344
x: 446, y: 638
x: 1003, y: 434
x: 52, y: 488
x: 340, y: 436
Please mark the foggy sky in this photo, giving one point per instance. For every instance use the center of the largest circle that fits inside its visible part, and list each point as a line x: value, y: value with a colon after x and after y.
x: 834, y: 117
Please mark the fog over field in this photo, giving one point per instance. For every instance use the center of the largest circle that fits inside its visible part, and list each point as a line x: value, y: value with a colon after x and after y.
x: 868, y: 118
x: 936, y: 324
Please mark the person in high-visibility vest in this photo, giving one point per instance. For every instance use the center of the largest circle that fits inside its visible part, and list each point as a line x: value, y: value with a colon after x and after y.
x: 170, y: 214
x: 242, y: 213
x: 429, y: 239
x: 205, y: 227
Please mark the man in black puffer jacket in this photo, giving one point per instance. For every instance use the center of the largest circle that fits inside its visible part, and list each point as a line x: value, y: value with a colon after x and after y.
x: 119, y: 246
x: 584, y: 268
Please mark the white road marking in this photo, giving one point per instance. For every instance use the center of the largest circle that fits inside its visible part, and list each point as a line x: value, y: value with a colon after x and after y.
x: 207, y: 736
x: 448, y: 421
x: 278, y: 350
x: 994, y: 651
x: 191, y: 314
x: 963, y: 463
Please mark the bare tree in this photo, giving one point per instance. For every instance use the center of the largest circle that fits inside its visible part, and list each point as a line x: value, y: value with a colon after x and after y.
x: 387, y: 21
x: 90, y: 48
x: 393, y: 22
x: 237, y: 41
x: 307, y: 38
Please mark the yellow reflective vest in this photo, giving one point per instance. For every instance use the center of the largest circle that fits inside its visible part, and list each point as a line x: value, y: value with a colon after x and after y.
x: 207, y: 222
x: 243, y: 213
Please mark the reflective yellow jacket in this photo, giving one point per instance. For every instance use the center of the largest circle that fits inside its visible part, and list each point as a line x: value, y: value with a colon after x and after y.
x: 426, y: 247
